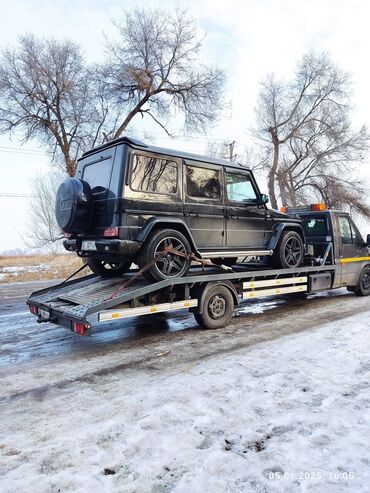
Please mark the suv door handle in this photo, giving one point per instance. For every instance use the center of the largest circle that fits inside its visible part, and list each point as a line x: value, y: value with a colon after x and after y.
x: 192, y: 214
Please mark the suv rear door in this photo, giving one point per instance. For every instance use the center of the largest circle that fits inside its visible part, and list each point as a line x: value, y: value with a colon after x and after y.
x: 98, y: 170
x: 246, y: 220
x: 203, y: 204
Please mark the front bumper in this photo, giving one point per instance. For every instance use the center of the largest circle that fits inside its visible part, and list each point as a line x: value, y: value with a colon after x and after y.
x: 125, y: 247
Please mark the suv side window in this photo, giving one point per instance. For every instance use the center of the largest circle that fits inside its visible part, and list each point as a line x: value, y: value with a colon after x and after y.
x: 348, y: 232
x: 239, y: 188
x: 203, y: 182
x: 153, y: 174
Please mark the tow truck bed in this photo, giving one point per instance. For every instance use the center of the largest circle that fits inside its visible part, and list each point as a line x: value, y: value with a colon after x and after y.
x: 79, y: 303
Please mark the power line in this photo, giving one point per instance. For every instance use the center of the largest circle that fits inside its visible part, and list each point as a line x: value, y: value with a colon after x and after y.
x: 16, y: 194
x: 18, y: 150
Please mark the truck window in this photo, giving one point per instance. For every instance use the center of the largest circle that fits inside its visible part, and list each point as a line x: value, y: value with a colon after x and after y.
x: 239, y: 188
x: 348, y: 232
x: 203, y: 182
x: 313, y: 226
x: 153, y: 174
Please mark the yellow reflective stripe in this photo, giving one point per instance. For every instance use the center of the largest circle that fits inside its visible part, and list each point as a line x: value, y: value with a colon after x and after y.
x: 353, y: 259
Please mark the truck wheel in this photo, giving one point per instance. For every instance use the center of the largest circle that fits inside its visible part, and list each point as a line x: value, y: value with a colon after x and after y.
x: 290, y: 251
x: 217, y: 308
x: 363, y: 285
x: 169, y: 265
x: 104, y: 268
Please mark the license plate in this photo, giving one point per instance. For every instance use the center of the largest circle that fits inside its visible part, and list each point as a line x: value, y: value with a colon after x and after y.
x: 43, y: 313
x: 88, y: 245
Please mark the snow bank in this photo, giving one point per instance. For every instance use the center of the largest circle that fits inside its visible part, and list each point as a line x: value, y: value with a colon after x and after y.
x: 285, y: 416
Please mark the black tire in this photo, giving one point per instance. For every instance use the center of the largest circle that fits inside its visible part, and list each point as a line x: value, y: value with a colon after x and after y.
x: 363, y: 285
x: 108, y: 269
x: 168, y: 266
x: 228, y: 261
x: 217, y: 308
x: 289, y: 252
x: 73, y: 205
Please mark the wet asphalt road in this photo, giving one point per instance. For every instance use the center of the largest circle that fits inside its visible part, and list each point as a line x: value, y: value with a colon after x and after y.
x: 23, y: 340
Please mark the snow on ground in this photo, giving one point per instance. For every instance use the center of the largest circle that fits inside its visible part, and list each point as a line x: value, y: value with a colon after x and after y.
x: 287, y: 415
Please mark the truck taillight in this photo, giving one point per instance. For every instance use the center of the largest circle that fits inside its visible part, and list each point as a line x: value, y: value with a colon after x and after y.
x: 111, y: 231
x: 80, y: 328
x: 33, y: 309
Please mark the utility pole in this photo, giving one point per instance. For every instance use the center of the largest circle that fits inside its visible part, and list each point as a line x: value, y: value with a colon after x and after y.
x: 232, y: 156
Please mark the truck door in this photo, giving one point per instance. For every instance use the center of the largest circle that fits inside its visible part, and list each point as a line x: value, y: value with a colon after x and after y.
x: 351, y: 250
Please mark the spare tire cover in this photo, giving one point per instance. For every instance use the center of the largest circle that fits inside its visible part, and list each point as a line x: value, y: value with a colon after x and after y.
x: 73, y: 205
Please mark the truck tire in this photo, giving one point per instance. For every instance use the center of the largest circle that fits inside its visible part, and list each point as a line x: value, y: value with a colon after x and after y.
x: 168, y: 266
x: 289, y: 252
x: 108, y: 269
x: 217, y: 306
x: 363, y: 285
x: 73, y: 205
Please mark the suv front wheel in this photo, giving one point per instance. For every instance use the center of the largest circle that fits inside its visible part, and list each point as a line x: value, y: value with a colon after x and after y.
x: 289, y: 253
x: 168, y: 265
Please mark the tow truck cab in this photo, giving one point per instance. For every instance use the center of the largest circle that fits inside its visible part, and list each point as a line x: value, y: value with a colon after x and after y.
x: 334, y: 234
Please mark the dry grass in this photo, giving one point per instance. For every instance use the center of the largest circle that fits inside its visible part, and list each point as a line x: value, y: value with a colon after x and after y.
x: 38, y: 267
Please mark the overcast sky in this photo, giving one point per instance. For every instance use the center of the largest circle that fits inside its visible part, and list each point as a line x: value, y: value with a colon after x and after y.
x: 246, y: 38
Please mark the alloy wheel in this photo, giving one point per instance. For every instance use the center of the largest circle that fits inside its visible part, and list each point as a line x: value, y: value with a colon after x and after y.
x: 292, y: 251
x: 169, y: 264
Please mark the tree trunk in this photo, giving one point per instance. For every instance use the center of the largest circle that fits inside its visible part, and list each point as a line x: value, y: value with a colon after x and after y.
x: 272, y: 173
x: 71, y: 167
x: 283, y: 189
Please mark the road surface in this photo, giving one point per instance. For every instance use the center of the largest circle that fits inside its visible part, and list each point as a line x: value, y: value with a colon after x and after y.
x: 27, y: 346
x: 278, y: 401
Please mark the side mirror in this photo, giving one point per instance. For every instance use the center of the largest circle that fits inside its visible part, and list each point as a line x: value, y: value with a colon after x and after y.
x: 265, y: 199
x: 368, y: 240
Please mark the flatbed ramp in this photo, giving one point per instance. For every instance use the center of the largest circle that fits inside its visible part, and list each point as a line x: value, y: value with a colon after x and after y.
x: 79, y: 303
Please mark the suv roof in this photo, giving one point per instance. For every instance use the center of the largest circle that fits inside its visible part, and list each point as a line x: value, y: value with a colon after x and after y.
x: 137, y: 144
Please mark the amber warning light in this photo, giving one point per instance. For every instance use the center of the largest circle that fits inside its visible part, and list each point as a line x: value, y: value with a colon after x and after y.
x: 303, y: 208
x: 318, y: 207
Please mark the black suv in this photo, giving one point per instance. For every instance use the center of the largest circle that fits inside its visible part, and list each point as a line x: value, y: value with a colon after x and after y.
x: 129, y: 201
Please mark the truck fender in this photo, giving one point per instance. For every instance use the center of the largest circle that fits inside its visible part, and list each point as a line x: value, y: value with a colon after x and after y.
x: 199, y: 291
x: 157, y: 222
x: 278, y: 231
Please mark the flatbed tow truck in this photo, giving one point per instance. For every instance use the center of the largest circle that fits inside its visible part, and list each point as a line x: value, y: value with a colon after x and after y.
x: 336, y: 257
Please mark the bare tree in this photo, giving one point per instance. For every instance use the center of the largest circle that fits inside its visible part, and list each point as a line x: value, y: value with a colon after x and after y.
x: 44, y: 231
x: 305, y: 127
x: 47, y: 92
x: 154, y: 69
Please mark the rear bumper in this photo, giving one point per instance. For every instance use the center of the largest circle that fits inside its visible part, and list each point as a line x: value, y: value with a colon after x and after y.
x: 125, y: 247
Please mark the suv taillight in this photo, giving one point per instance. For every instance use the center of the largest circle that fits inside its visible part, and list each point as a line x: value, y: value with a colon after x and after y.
x: 111, y: 231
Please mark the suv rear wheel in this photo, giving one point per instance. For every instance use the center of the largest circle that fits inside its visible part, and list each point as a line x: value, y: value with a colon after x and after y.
x: 167, y: 265
x: 108, y: 269
x: 290, y: 251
